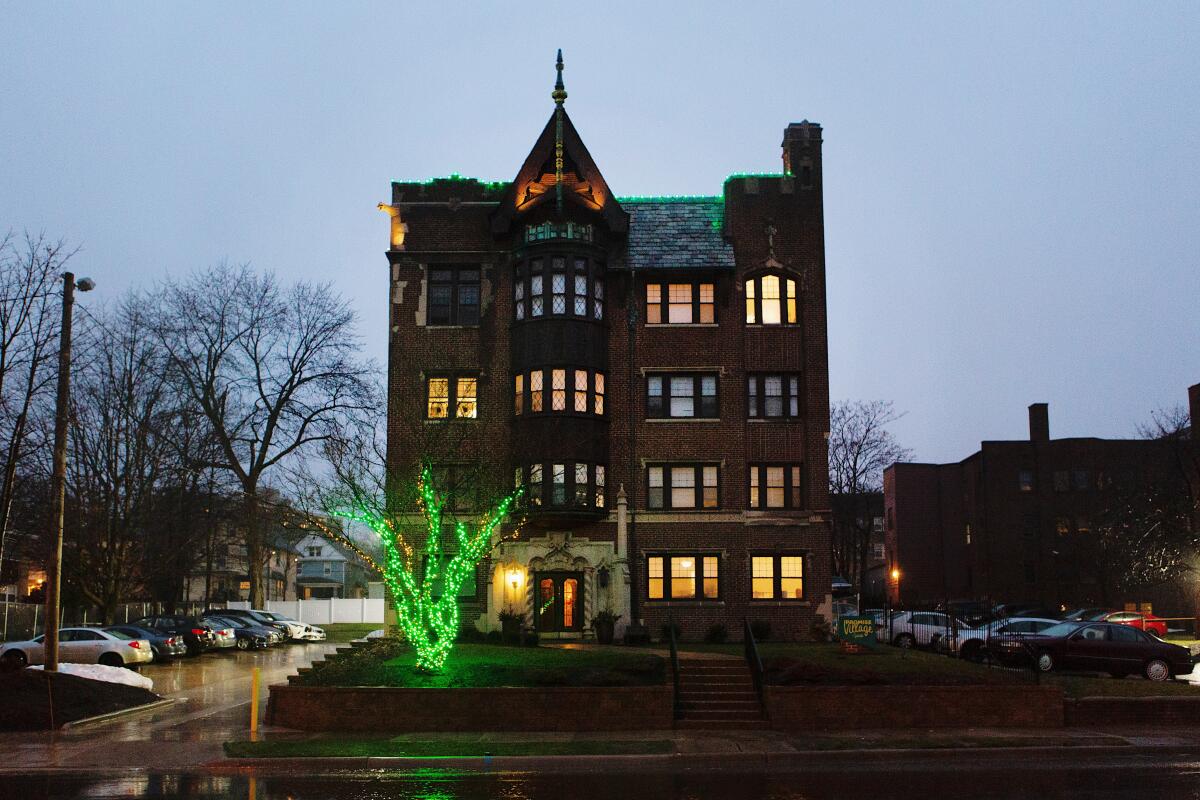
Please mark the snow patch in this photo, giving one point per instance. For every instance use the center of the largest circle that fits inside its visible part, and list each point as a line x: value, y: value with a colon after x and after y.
x: 1192, y: 677
x: 99, y: 672
x: 379, y: 634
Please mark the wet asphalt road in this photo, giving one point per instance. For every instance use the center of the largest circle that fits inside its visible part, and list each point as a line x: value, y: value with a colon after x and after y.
x: 954, y: 776
x: 212, y: 694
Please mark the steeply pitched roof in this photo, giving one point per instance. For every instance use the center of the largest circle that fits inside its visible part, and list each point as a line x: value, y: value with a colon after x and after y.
x: 677, y: 233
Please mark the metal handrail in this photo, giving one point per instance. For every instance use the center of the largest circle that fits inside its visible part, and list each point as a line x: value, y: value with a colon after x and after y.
x: 754, y: 661
x: 677, y: 706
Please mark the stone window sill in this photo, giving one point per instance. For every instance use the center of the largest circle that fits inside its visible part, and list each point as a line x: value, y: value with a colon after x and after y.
x: 780, y: 603
x: 682, y: 325
x: 682, y: 602
x: 683, y: 419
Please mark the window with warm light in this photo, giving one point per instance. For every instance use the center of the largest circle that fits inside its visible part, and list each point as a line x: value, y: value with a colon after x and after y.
x: 571, y: 391
x: 465, y: 398
x: 519, y: 395
x: 683, y: 576
x: 438, y: 398
x: 558, y: 390
x: 777, y: 576
x: 771, y: 300
x: 443, y: 393
x: 680, y: 303
x: 535, y: 391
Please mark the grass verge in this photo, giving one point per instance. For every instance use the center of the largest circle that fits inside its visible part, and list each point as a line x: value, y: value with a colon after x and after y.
x: 898, y: 740
x: 348, y: 631
x: 402, y: 748
x: 388, y: 663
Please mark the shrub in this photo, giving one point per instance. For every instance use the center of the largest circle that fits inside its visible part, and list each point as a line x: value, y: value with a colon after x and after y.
x: 665, y: 632
x: 494, y: 637
x: 820, y: 630
x: 761, y: 629
x: 716, y: 634
x: 530, y: 639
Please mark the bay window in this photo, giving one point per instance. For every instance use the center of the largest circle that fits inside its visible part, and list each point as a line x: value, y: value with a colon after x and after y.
x: 575, y: 287
x: 577, y: 391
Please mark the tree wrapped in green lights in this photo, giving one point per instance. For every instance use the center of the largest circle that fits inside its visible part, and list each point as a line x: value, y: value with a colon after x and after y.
x: 428, y: 621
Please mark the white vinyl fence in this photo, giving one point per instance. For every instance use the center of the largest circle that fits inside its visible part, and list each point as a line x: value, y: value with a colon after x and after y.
x: 324, y: 612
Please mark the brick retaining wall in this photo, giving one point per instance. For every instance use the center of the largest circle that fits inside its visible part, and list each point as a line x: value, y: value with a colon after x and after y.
x: 1102, y: 711
x: 825, y: 707
x: 558, y: 708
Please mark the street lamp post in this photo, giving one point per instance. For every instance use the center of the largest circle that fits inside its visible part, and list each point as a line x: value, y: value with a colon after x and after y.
x: 58, y: 480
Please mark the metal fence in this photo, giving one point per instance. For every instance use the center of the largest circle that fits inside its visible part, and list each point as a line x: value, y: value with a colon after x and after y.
x: 20, y: 621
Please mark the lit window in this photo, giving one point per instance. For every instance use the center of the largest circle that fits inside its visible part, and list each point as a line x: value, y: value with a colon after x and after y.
x: 559, y: 485
x: 558, y: 390
x: 771, y: 300
x: 465, y: 406
x: 762, y: 581
x: 791, y: 577
x: 439, y: 398
x: 776, y: 486
x: 519, y: 395
x: 654, y: 482
x: 679, y: 305
x: 535, y: 391
x: 683, y: 578
x: 711, y: 586
x: 654, y: 571
x: 581, y: 387
x: 599, y: 486
x: 598, y: 395
x: 683, y: 487
x: 653, y: 303
x: 706, y: 303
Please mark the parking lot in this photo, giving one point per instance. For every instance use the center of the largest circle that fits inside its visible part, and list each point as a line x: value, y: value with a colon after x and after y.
x: 212, y: 705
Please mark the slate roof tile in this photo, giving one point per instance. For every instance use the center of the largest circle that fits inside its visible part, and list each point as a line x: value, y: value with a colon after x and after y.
x: 677, y: 234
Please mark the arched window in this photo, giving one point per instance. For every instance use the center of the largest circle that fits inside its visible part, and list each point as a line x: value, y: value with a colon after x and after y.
x: 771, y: 300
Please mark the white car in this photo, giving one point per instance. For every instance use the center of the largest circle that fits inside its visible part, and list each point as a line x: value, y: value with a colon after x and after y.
x: 916, y: 628
x: 971, y: 643
x: 82, y: 646
x: 298, y: 630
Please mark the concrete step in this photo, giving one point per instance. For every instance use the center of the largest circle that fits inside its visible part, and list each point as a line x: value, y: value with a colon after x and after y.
x: 737, y: 684
x: 690, y: 709
x: 693, y: 696
x: 720, y: 725
x: 738, y: 713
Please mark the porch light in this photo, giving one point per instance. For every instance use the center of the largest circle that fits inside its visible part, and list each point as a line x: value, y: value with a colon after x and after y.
x: 895, y: 574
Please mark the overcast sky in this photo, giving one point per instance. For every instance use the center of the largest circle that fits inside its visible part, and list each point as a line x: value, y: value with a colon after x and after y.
x: 1011, y: 192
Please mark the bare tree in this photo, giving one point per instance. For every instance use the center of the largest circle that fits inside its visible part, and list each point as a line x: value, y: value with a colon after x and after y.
x: 273, y: 370
x: 29, y: 273
x: 860, y: 448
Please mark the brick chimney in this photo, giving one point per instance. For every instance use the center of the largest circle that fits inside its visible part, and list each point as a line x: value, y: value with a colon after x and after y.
x: 1194, y: 410
x: 1039, y: 422
x: 802, y: 153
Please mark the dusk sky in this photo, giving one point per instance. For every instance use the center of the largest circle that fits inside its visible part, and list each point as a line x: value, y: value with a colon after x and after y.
x: 1011, y: 192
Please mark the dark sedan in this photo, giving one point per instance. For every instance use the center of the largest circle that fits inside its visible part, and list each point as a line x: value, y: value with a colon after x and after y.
x: 1118, y: 650
x: 164, y: 645
x: 196, y: 635
x: 249, y: 637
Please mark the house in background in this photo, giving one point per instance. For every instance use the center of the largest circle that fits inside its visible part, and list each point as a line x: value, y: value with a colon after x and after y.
x: 328, y: 570
x: 223, y: 574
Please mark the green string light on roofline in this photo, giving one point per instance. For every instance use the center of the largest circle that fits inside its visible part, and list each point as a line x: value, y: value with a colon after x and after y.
x: 671, y: 198
x: 430, y: 624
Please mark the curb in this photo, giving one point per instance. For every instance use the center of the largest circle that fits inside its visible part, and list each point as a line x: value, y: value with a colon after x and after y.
x: 100, y: 719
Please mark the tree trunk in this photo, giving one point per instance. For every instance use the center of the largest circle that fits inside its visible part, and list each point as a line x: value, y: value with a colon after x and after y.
x: 254, y: 549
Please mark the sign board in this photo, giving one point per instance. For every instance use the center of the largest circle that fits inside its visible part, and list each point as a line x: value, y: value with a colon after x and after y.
x: 856, y: 630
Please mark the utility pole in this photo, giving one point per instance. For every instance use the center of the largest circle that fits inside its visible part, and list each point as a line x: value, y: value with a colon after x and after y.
x: 58, y: 480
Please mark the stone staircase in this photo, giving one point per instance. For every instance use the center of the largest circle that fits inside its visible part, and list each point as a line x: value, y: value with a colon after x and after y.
x: 717, y: 694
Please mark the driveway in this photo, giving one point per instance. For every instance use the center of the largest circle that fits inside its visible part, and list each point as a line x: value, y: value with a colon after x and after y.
x: 212, y: 699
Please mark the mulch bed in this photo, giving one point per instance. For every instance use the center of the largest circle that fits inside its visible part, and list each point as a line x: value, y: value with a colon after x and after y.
x: 33, y: 700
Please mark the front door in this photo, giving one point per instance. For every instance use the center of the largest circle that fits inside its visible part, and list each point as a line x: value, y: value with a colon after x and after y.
x: 559, y: 602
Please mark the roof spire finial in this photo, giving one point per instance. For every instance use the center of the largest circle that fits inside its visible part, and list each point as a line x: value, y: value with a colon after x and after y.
x: 559, y: 94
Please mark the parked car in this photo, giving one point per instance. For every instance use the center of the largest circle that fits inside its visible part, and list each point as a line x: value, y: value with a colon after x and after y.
x: 196, y: 635
x: 1119, y: 650
x: 1083, y: 614
x: 1022, y: 610
x: 82, y: 646
x: 971, y: 612
x: 247, y: 636
x: 164, y: 645
x: 223, y: 634
x: 972, y: 643
x: 253, y: 617
x: 308, y: 632
x: 1139, y: 620
x: 916, y: 628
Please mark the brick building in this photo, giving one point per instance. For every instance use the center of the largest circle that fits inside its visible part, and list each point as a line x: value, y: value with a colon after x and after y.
x: 1014, y: 521
x: 652, y: 369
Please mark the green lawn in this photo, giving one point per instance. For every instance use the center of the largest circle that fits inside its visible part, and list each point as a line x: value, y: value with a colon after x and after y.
x: 787, y: 664
x: 405, y: 748
x: 392, y: 664
x: 348, y: 631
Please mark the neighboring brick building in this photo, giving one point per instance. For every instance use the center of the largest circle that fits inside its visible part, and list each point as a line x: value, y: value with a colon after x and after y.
x: 1013, y: 522
x: 654, y: 370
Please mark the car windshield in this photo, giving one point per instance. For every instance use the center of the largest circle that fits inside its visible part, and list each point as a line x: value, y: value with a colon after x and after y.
x: 232, y: 622
x: 1061, y: 629
x: 280, y: 617
x: 119, y: 634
